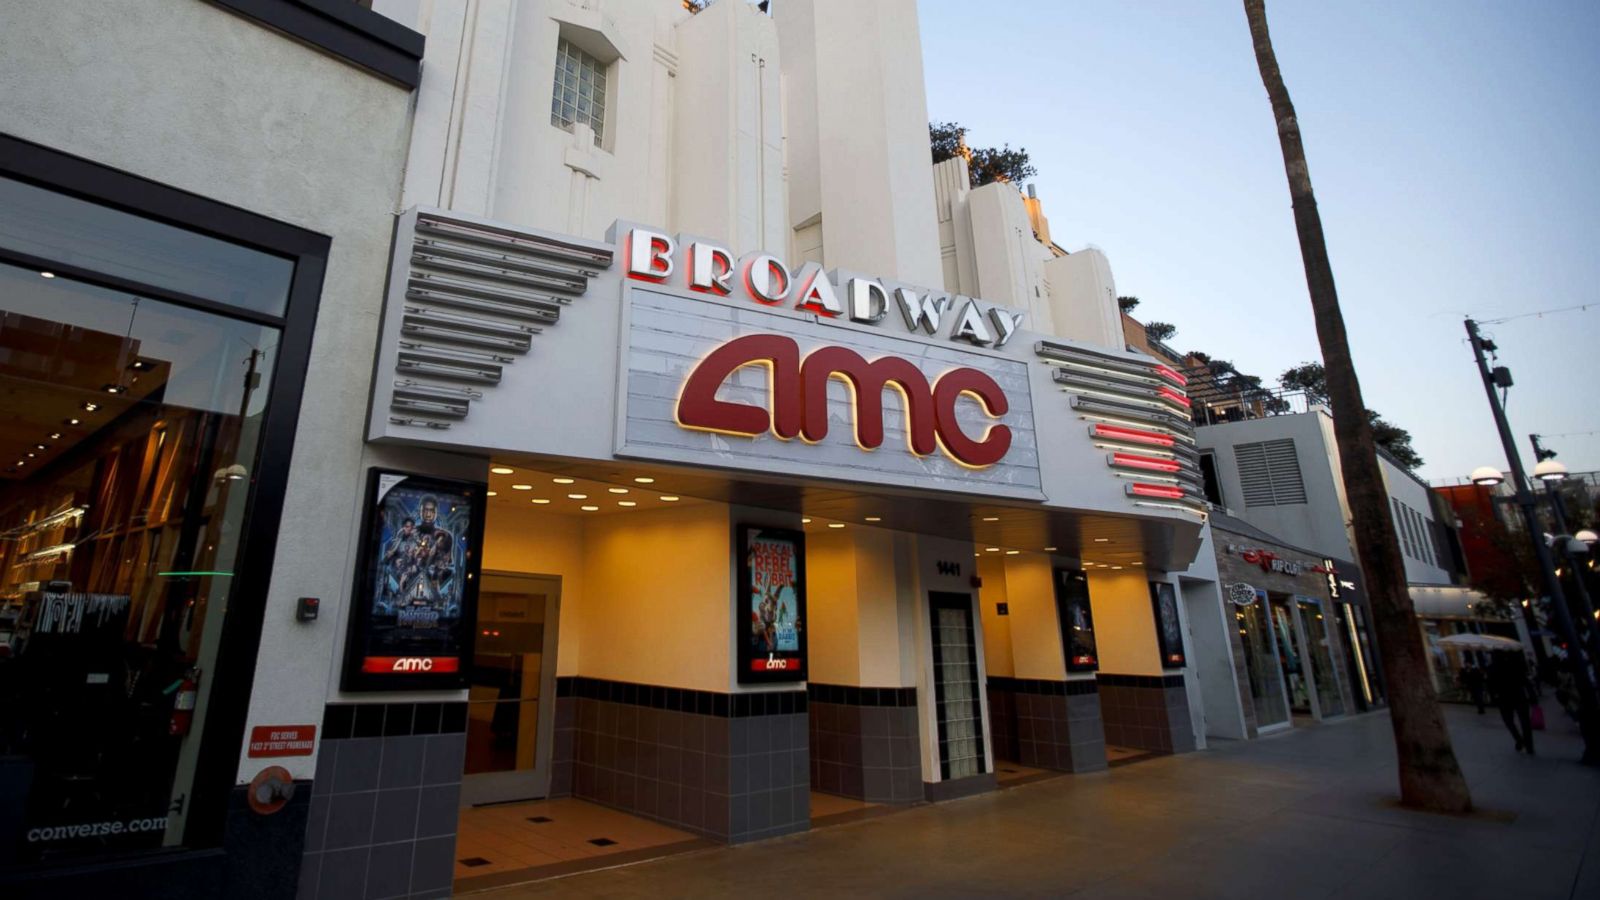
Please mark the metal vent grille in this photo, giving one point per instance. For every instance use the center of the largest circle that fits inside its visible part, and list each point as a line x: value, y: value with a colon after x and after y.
x: 1269, y: 472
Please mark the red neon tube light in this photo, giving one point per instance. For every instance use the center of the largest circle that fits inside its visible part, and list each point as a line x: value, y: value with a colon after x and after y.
x: 1171, y: 375
x: 1131, y: 435
x: 1140, y: 489
x: 1148, y: 463
x: 1172, y: 395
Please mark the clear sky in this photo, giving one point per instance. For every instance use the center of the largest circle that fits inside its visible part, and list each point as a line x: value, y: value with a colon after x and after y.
x: 1454, y: 148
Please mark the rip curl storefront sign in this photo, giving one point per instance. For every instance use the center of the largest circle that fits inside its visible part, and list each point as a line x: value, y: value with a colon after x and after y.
x: 790, y: 372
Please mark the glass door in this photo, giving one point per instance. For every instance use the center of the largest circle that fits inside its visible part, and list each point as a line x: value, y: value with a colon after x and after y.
x: 955, y: 681
x: 1329, y: 701
x: 511, y: 700
x: 1290, y: 656
x: 1261, y: 663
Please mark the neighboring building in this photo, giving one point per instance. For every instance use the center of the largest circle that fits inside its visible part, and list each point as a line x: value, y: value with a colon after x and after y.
x: 195, y: 200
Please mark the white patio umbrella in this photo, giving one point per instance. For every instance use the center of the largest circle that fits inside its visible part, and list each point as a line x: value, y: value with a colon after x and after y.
x: 1481, y: 642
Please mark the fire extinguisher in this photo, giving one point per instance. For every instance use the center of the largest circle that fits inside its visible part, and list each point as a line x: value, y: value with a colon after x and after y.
x: 183, y: 704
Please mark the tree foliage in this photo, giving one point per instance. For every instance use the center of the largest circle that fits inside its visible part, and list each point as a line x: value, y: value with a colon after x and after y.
x: 1311, y: 379
x: 985, y: 165
x: 1160, y: 331
x: 1127, y: 304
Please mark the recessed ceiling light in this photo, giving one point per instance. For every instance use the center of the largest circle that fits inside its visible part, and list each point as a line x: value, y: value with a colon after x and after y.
x: 493, y: 494
x: 539, y: 500
x: 113, y: 388
x: 874, y: 519
x: 589, y: 508
x: 991, y: 518
x: 90, y: 406
x: 562, y: 480
x: 991, y: 549
x: 617, y: 490
x: 1116, y: 567
x: 805, y: 521
x: 577, y: 496
x: 669, y: 498
x: 835, y: 524
x: 502, y: 470
x: 55, y: 435
x: 41, y: 447
x: 47, y: 274
x: 643, y: 479
x: 522, y: 487
x: 626, y: 503
x: 1102, y: 540
x: 1012, y: 552
x: 32, y: 455
x: 1049, y: 549
x: 73, y: 421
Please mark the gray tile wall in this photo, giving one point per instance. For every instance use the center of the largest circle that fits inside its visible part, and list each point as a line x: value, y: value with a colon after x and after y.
x: 383, y: 815
x: 1146, y: 712
x: 1040, y: 724
x: 720, y: 774
x: 870, y: 753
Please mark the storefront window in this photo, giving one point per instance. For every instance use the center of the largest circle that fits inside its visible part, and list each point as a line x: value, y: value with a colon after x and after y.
x: 128, y: 431
x: 1261, y: 664
x: 1329, y: 700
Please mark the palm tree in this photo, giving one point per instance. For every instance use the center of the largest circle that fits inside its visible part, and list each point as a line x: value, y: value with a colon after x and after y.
x: 1430, y: 777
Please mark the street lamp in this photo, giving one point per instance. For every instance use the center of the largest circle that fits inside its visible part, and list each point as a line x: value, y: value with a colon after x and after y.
x: 1549, y: 471
x: 1588, y: 709
x: 1486, y: 476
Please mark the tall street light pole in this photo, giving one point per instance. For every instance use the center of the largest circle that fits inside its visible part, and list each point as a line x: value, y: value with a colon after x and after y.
x: 1564, y: 538
x: 1588, y: 712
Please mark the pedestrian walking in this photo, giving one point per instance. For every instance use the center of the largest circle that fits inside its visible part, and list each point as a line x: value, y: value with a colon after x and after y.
x: 1508, y: 681
x: 1472, y: 681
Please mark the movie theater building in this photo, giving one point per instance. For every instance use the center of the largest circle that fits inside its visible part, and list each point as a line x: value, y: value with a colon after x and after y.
x: 679, y: 450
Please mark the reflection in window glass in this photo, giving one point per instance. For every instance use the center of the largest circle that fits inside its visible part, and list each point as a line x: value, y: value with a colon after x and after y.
x: 128, y: 433
x: 48, y: 225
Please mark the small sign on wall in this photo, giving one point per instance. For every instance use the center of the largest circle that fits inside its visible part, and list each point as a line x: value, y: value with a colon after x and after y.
x: 770, y: 607
x: 1169, y: 629
x: 282, y: 740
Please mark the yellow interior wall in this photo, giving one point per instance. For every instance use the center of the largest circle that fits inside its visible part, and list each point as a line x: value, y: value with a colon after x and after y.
x: 878, y: 638
x: 996, y: 628
x: 831, y: 608
x: 656, y: 598
x: 1124, y: 628
x: 1035, y: 630
x: 540, y: 543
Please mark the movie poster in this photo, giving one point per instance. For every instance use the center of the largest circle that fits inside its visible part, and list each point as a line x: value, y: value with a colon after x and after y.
x: 770, y: 610
x: 1077, y: 620
x: 1169, y: 630
x: 416, y: 590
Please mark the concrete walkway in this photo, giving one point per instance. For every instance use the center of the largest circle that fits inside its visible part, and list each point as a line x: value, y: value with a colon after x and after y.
x: 1310, y: 813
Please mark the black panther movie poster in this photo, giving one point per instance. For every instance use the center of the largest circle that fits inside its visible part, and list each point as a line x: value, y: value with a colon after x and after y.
x: 1169, y: 631
x: 416, y: 587
x: 1077, y: 621
x: 770, y: 610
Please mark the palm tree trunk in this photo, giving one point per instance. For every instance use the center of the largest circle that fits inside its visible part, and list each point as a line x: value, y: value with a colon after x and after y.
x: 1430, y: 778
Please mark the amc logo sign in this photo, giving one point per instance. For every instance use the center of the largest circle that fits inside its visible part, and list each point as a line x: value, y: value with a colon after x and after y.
x: 797, y: 394
x: 397, y: 665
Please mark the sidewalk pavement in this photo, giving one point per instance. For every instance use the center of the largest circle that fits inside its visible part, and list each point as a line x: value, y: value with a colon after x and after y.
x: 1307, y: 814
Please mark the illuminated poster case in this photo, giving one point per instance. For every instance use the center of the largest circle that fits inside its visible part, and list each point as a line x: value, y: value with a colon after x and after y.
x: 770, y: 607
x: 1077, y: 620
x: 1169, y: 630
x: 416, y: 587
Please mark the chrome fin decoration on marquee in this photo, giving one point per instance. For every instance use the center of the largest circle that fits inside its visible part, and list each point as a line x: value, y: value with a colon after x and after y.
x: 1137, y: 411
x: 475, y: 298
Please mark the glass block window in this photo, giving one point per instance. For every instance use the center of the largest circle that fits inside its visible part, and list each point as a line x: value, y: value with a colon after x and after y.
x: 580, y: 90
x: 955, y: 673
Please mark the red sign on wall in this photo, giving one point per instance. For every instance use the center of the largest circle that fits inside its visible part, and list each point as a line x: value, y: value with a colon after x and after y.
x: 282, y: 740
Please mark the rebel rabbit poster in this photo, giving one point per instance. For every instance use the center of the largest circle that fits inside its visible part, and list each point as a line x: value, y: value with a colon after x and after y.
x: 770, y: 609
